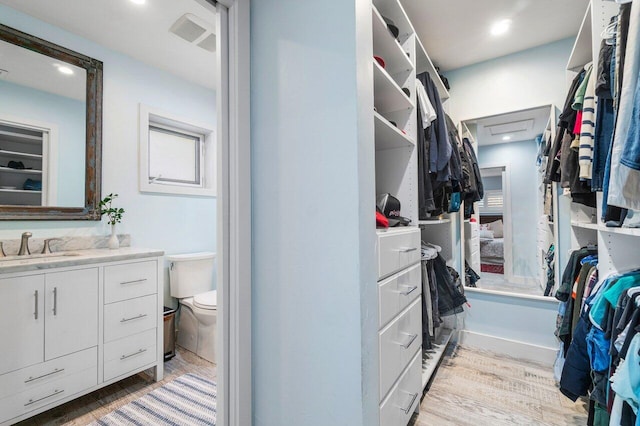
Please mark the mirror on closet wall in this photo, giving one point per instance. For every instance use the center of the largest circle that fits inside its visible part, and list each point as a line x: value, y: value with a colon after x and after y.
x: 512, y: 237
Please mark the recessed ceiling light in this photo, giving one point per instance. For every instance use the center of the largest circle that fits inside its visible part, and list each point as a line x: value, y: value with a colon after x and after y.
x: 501, y: 27
x: 506, y: 138
x: 138, y: 1
x: 64, y: 69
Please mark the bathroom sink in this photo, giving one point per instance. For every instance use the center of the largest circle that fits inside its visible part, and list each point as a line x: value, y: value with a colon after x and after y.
x: 39, y: 256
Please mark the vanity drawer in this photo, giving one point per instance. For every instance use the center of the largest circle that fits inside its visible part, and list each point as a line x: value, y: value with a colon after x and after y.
x: 397, y: 292
x: 129, y: 317
x: 122, y: 282
x: 399, y: 342
x: 404, y: 398
x: 20, y: 403
x: 46, y: 372
x: 397, y: 249
x: 125, y: 355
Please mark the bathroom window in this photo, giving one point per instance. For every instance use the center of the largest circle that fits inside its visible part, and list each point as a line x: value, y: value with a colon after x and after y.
x: 176, y: 156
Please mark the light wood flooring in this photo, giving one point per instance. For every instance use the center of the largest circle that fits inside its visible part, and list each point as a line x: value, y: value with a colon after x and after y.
x: 476, y: 388
x: 86, y: 409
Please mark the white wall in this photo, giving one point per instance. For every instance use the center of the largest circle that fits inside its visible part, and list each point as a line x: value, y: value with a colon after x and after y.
x: 176, y: 224
x: 521, y: 159
x: 526, y: 79
x: 314, y: 313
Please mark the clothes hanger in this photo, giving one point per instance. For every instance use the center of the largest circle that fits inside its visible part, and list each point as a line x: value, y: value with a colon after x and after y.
x: 609, y: 33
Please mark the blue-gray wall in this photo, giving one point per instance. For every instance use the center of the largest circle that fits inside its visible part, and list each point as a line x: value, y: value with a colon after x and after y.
x: 314, y: 285
x: 176, y: 224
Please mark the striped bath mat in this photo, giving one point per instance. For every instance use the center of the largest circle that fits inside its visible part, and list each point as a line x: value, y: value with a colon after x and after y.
x: 189, y: 400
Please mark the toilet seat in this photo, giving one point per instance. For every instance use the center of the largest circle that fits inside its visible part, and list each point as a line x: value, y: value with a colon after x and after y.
x: 208, y: 300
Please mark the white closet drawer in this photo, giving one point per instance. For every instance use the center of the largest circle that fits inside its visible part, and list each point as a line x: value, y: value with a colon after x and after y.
x: 48, y: 393
x: 125, y: 355
x: 398, y: 342
x: 129, y: 317
x: 404, y: 398
x: 122, y: 282
x: 397, y: 249
x: 397, y: 292
x: 46, y: 372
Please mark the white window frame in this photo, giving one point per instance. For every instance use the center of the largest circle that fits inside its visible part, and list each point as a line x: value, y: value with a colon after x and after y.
x: 207, y: 185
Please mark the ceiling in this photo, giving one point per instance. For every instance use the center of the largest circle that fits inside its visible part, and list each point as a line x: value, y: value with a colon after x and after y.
x: 516, y: 126
x: 31, y: 69
x: 139, y: 31
x: 457, y: 33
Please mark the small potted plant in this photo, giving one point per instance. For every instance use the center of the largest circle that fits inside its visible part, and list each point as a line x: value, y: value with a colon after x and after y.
x: 114, y: 214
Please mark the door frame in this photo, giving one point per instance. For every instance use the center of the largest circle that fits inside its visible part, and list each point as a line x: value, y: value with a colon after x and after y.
x: 234, y: 402
x: 506, y: 216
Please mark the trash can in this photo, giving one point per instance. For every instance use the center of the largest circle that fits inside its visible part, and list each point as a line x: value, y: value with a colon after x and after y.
x: 169, y: 333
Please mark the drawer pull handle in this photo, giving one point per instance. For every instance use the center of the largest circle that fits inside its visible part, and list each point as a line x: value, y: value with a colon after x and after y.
x: 35, y: 314
x: 55, y: 301
x: 407, y: 250
x: 413, y: 399
x: 133, y: 318
x: 410, y: 289
x: 133, y: 281
x: 33, y: 401
x: 133, y: 354
x: 412, y: 338
x: 31, y: 379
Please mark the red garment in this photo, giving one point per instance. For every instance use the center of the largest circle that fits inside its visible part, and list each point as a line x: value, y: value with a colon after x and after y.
x: 578, y: 126
x: 381, y: 220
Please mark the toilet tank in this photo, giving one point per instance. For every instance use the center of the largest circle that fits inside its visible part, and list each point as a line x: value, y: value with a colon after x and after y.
x: 190, y: 274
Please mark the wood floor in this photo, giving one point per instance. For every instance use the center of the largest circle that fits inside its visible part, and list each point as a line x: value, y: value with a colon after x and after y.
x: 476, y: 388
x: 88, y: 408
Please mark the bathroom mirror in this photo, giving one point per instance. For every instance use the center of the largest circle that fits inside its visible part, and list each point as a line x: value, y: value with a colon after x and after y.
x: 50, y: 130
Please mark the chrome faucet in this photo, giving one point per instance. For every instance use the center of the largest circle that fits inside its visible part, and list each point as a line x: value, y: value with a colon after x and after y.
x: 24, y: 244
x: 47, y: 248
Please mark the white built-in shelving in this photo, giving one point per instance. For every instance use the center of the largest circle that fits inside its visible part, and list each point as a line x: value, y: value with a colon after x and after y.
x: 389, y: 136
x: 389, y: 97
x: 431, y: 358
x: 434, y: 222
x: 22, y: 157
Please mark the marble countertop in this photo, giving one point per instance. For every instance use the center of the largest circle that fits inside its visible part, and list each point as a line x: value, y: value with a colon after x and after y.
x: 76, y: 258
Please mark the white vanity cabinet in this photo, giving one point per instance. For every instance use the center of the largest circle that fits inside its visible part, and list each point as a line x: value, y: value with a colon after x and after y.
x: 73, y: 325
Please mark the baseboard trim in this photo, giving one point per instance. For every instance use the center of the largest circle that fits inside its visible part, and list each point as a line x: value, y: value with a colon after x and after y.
x: 508, y: 347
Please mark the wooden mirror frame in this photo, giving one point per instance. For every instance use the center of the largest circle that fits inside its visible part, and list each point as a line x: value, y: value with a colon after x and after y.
x: 93, y: 150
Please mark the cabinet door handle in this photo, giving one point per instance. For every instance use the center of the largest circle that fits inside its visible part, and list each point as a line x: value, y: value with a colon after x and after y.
x: 412, y: 338
x: 35, y: 313
x: 413, y: 399
x: 55, y: 301
x: 133, y: 281
x: 133, y: 318
x: 56, y: 371
x: 407, y: 250
x: 410, y: 289
x: 133, y: 354
x: 33, y: 401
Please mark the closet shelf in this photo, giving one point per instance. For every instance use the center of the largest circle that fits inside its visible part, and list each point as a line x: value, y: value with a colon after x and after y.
x: 424, y: 63
x: 19, y: 191
x: 15, y: 154
x: 21, y: 171
x: 389, y: 136
x: 581, y: 53
x: 430, y: 365
x: 434, y: 222
x: 8, y: 136
x: 393, y: 10
x: 585, y: 225
x: 621, y: 231
x: 388, y: 96
x: 388, y: 48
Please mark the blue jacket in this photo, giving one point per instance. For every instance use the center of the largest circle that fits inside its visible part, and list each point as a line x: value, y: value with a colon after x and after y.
x: 576, y: 378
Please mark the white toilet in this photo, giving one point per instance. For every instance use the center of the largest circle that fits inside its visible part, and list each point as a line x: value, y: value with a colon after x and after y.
x: 191, y: 281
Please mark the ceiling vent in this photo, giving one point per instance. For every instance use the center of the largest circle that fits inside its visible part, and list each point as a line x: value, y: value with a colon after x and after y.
x: 512, y: 127
x: 195, y: 31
